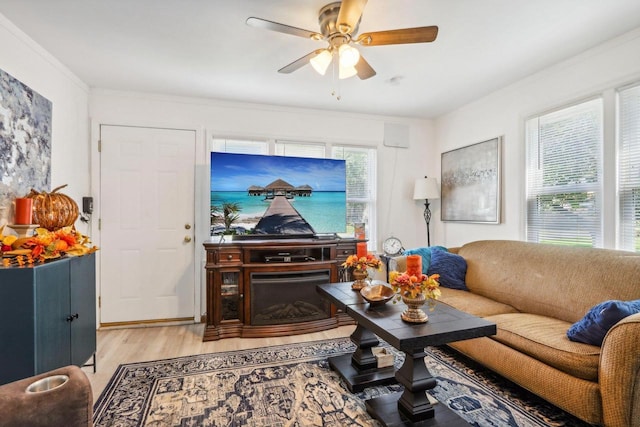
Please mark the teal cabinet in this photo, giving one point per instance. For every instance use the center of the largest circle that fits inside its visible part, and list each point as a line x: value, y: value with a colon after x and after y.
x: 47, y: 316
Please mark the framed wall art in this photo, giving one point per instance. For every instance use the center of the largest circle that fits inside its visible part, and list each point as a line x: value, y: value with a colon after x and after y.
x: 471, y: 186
x: 25, y: 142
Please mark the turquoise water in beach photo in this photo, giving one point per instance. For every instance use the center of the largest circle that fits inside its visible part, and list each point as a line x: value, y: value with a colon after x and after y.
x: 325, y: 210
x: 232, y: 175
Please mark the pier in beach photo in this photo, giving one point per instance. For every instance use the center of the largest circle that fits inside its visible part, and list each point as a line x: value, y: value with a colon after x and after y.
x: 282, y: 218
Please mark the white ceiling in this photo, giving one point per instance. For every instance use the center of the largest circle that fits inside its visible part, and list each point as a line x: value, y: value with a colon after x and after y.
x: 203, y: 48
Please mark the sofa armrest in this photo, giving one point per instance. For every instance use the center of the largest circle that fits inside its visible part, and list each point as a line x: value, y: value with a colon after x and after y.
x: 69, y: 405
x: 389, y: 264
x: 619, y: 374
x: 398, y: 263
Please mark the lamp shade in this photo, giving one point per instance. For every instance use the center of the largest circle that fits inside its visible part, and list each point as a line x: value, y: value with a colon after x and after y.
x: 321, y: 62
x: 346, y: 72
x: 349, y: 55
x: 426, y: 188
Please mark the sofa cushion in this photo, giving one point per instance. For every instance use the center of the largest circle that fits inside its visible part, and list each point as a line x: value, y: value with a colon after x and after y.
x: 557, y: 281
x: 545, y: 339
x: 473, y: 304
x: 592, y: 328
x: 452, y: 269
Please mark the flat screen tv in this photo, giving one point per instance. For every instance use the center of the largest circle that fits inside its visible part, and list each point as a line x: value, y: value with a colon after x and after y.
x: 277, y: 196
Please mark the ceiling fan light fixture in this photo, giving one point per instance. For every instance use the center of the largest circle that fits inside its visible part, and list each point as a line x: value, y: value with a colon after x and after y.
x: 339, y: 22
x: 346, y: 72
x: 321, y: 62
x: 349, y: 55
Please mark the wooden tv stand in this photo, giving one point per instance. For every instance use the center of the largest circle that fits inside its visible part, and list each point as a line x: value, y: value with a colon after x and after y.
x: 262, y: 288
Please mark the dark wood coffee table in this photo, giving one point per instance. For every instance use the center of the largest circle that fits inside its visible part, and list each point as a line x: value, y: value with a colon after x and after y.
x: 412, y: 406
x: 360, y: 369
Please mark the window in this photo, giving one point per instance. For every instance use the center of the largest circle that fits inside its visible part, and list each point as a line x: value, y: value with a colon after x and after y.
x: 240, y: 146
x: 629, y: 167
x: 300, y: 149
x: 361, y: 180
x: 564, y: 175
x: 361, y: 187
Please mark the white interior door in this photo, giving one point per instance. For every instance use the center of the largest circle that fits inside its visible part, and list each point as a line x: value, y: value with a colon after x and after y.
x: 147, y: 213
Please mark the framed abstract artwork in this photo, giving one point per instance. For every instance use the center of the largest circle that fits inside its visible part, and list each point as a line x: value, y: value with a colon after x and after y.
x: 471, y: 184
x: 25, y: 142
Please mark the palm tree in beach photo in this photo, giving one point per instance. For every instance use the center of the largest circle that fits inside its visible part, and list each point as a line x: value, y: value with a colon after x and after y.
x: 226, y: 214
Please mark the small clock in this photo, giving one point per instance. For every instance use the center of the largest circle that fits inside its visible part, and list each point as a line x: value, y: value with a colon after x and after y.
x: 392, y: 246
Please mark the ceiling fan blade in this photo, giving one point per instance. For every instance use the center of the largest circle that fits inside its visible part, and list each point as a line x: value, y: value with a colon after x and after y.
x: 405, y: 35
x: 364, y: 70
x: 282, y: 28
x: 349, y: 15
x: 299, y: 63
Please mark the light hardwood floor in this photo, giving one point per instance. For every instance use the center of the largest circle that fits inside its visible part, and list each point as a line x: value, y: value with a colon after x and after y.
x: 119, y: 346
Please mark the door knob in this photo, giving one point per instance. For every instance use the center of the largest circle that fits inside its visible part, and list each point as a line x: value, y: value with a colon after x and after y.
x: 187, y: 239
x: 187, y: 226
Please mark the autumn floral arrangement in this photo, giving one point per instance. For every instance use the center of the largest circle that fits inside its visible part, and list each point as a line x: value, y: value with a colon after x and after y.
x: 44, y: 245
x: 411, y: 285
x: 362, y: 263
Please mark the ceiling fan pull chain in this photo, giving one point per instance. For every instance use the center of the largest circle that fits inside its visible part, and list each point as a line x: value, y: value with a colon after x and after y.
x: 335, y: 82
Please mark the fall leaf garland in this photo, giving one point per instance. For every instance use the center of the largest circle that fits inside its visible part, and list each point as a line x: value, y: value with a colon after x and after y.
x: 45, y: 245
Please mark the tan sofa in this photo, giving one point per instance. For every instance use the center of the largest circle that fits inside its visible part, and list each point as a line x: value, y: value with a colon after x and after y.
x: 534, y: 293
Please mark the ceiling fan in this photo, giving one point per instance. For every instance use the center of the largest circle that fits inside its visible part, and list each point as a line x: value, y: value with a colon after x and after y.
x: 339, y: 23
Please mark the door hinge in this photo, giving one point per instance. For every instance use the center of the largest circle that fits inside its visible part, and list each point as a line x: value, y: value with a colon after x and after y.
x: 99, y: 223
x: 99, y: 146
x: 99, y: 302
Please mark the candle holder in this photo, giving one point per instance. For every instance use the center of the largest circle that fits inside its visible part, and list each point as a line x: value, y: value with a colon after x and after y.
x: 23, y: 230
x: 359, y: 279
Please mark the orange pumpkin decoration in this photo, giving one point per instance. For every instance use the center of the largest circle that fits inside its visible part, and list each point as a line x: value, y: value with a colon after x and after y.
x: 53, y: 210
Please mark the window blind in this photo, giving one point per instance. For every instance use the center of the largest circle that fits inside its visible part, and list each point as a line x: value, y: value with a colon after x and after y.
x: 564, y: 175
x: 629, y: 167
x: 300, y: 149
x: 240, y: 146
x: 361, y: 187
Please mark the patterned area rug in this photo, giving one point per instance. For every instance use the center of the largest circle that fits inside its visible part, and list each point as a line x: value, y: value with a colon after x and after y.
x: 292, y: 385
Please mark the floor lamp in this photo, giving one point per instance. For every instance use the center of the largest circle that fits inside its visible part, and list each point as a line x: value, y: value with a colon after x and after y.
x: 426, y: 188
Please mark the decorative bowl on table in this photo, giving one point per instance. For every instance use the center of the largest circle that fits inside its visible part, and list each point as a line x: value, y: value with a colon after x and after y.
x: 377, y: 295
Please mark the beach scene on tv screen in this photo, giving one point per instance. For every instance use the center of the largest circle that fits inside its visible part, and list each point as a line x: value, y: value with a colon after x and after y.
x: 277, y: 195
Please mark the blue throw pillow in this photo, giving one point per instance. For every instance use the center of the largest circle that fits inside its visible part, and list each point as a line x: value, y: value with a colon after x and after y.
x: 592, y: 328
x: 452, y: 269
x: 425, y: 253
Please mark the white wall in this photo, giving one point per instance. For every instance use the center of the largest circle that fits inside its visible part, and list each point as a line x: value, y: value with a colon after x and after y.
x: 397, y: 213
x: 33, y: 66
x: 397, y: 167
x: 597, y: 71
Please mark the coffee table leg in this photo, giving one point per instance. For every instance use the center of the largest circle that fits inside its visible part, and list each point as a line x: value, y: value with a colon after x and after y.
x: 359, y: 370
x: 411, y: 407
x: 416, y: 379
x: 364, y: 339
